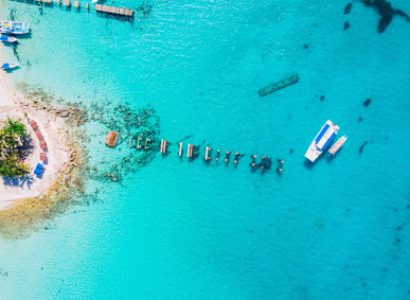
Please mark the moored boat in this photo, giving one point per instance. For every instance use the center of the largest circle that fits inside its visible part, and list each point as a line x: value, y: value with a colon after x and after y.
x: 9, y: 66
x: 7, y: 39
x: 336, y: 146
x: 322, y: 140
x: 13, y: 27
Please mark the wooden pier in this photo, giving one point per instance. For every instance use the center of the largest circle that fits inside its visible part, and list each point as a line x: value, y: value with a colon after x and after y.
x: 126, y: 12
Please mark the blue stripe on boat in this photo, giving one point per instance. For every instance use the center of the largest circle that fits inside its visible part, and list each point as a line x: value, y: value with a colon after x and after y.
x: 329, y: 141
x: 322, y: 132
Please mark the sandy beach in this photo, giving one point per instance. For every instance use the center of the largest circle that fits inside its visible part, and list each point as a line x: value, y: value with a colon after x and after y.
x: 52, y: 129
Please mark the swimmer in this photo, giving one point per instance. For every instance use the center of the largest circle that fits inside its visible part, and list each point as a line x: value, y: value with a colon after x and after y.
x: 218, y: 153
x: 227, y: 156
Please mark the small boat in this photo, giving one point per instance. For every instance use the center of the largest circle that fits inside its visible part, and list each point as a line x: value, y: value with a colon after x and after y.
x: 8, y: 66
x: 336, y: 146
x: 12, y: 27
x: 8, y: 39
x: 322, y: 140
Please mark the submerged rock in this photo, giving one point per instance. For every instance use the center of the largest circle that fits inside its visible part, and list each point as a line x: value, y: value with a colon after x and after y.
x: 348, y: 8
x: 386, y: 11
x: 367, y: 102
x: 361, y: 148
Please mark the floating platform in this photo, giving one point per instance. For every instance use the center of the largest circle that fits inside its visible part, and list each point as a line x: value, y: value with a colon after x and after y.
x: 208, y: 152
x: 279, y: 85
x: 190, y: 152
x: 139, y: 139
x: 114, y: 10
x: 180, y: 150
x: 147, y: 144
x: 164, y: 147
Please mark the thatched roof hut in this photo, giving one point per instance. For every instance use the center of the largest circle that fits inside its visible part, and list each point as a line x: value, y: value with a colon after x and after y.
x: 111, y: 138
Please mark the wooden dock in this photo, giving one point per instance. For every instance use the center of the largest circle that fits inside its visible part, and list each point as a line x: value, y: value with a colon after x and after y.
x: 126, y: 13
x: 114, y: 10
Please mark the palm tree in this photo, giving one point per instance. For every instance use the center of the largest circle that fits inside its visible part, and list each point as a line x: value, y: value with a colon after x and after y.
x: 10, y: 157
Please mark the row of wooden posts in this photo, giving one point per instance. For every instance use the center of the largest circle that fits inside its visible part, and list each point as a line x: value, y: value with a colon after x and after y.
x: 192, y: 152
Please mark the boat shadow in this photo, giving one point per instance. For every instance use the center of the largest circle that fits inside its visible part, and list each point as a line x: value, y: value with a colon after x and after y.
x: 12, y: 70
x: 308, y: 164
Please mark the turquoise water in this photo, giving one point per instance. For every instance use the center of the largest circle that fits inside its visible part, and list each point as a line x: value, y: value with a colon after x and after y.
x: 180, y: 230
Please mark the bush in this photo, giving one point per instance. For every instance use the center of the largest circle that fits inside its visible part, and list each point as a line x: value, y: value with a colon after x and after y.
x: 11, y: 137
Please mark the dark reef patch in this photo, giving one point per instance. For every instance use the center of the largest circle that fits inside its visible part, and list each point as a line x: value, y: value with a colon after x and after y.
x: 360, y: 119
x: 386, y: 11
x: 346, y: 26
x: 367, y: 102
x: 361, y: 148
x: 322, y: 97
x: 348, y: 8
x: 306, y: 46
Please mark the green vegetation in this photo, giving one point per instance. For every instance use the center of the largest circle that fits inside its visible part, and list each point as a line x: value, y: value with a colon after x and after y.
x: 14, y: 148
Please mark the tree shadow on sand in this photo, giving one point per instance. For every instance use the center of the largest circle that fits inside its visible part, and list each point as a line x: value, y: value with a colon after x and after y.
x: 21, y: 182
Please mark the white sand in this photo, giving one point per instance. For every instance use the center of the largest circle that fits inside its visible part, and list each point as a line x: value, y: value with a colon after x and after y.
x: 50, y: 128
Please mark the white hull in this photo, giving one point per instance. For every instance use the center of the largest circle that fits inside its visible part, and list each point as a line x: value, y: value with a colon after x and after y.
x: 336, y: 147
x: 12, y: 27
x: 322, y: 140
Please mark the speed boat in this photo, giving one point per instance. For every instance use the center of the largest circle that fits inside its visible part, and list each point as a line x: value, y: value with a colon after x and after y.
x: 13, y: 27
x: 8, y: 39
x: 336, y: 147
x: 322, y: 140
x: 9, y: 67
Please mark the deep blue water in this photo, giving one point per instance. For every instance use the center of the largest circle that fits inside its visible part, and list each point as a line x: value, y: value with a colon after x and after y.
x: 180, y: 230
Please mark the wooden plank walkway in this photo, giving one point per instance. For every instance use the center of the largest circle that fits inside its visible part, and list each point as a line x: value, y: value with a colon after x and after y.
x: 114, y: 10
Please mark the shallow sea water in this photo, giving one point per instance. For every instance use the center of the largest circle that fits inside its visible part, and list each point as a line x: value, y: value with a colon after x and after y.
x: 181, y: 230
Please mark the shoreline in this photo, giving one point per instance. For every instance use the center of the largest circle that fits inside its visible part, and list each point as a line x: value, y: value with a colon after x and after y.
x: 24, y: 206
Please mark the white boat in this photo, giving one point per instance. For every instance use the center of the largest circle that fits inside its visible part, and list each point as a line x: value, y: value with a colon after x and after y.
x: 8, y: 66
x: 336, y: 146
x: 322, y: 140
x: 12, y: 27
x: 8, y: 39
